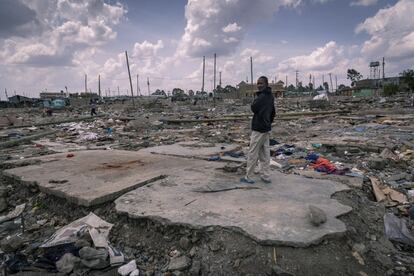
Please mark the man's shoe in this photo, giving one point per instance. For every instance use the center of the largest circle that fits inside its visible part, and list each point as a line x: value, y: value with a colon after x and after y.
x: 246, y: 180
x: 266, y: 180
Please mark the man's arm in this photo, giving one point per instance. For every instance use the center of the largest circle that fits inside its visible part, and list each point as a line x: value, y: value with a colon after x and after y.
x: 256, y: 105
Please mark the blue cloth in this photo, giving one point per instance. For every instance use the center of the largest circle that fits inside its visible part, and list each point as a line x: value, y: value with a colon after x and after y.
x: 312, y: 157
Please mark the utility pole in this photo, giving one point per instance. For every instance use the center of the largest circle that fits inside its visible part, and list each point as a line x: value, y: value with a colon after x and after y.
x: 130, y: 80
x: 313, y: 82
x: 330, y: 77
x: 7, y: 96
x: 336, y: 83
x: 383, y: 67
x: 99, y: 85
x: 138, y: 91
x: 118, y: 91
x: 214, y: 88
x: 323, y: 80
x: 297, y: 78
x: 204, y: 69
x: 148, y: 83
x: 251, y: 73
x: 220, y: 78
x: 86, y: 83
x: 286, y: 81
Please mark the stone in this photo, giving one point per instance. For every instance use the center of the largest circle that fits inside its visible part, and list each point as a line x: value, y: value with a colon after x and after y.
x: 195, y: 268
x: 278, y: 271
x: 359, y: 247
x: 179, y: 263
x: 3, y: 191
x: 94, y: 258
x: 316, y: 215
x: 193, y: 251
x: 3, y: 204
x: 184, y: 243
x: 11, y: 243
x: 66, y: 263
x: 377, y: 163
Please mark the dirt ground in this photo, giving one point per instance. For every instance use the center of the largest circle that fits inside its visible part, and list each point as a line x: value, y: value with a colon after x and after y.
x: 363, y: 250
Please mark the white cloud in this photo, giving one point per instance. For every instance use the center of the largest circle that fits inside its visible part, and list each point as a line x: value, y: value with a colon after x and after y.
x: 231, y: 28
x: 322, y: 59
x: 217, y: 26
x: 392, y: 32
x: 364, y: 3
x: 65, y: 27
x: 147, y: 49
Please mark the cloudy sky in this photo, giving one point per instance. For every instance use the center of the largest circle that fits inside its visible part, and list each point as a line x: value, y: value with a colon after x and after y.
x: 50, y: 44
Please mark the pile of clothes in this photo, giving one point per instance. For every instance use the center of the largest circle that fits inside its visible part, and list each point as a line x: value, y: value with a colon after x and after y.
x: 321, y: 164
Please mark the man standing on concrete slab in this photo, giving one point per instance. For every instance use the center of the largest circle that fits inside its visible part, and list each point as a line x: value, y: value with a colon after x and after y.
x: 263, y: 108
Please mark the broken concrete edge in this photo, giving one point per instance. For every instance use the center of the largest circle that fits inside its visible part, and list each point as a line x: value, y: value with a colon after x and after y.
x: 57, y: 122
x: 12, y: 143
x: 76, y: 200
x: 165, y: 222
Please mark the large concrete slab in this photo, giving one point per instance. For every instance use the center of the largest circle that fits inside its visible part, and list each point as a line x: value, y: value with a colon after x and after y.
x: 93, y: 177
x: 192, y: 149
x: 274, y: 213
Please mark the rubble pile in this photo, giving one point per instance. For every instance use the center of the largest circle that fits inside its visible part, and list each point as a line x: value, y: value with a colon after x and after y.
x: 366, y: 144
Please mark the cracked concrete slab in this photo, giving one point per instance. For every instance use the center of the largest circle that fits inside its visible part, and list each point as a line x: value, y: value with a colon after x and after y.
x: 273, y: 213
x: 97, y: 176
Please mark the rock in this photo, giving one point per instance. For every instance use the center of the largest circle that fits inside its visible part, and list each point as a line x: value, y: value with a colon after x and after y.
x: 184, y: 243
x: 11, y: 243
x: 359, y: 247
x: 195, y: 268
x: 278, y: 271
x: 3, y: 191
x: 193, y: 251
x: 237, y: 263
x: 3, y: 204
x: 66, y: 263
x: 179, y: 263
x: 377, y: 163
x: 82, y: 243
x: 214, y: 246
x: 94, y: 258
x: 128, y: 268
x: 316, y: 215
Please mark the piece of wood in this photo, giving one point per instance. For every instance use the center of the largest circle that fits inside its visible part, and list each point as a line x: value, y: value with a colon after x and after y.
x: 395, y: 195
x: 225, y: 189
x: 379, y: 194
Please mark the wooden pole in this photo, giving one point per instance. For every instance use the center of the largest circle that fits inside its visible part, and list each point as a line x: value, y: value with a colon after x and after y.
x: 99, y: 85
x: 118, y: 91
x: 204, y: 69
x: 330, y: 77
x: 251, y: 72
x: 214, y: 88
x: 148, y: 83
x: 130, y: 80
x: 86, y: 83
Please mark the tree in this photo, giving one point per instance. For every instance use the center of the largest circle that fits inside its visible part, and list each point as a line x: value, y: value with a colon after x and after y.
x: 341, y: 87
x: 408, y: 78
x: 326, y: 86
x: 354, y: 76
x: 177, y: 91
x: 291, y: 88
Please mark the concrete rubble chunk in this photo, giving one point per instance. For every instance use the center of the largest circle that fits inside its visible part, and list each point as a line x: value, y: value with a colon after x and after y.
x: 316, y: 215
x: 179, y: 263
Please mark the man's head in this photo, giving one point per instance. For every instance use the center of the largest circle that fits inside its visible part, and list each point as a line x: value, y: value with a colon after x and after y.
x: 262, y: 83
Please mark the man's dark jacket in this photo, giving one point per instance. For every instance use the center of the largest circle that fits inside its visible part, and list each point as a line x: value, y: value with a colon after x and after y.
x: 263, y: 108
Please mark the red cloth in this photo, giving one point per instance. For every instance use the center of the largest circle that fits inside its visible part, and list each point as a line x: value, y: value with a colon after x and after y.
x: 323, y: 164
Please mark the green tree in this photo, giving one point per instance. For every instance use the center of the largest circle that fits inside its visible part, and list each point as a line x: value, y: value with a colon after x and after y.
x: 408, y: 78
x: 354, y: 76
x: 390, y: 89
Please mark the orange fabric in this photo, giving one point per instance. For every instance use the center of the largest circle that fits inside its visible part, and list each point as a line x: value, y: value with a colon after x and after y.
x: 323, y: 162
